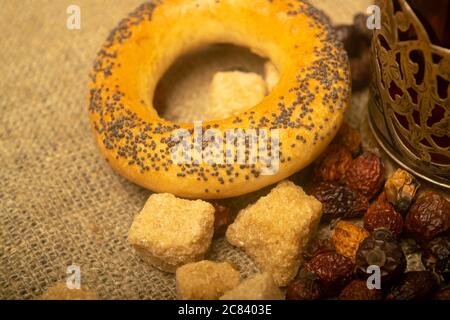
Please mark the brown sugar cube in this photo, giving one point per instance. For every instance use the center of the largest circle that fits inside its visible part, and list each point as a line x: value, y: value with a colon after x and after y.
x: 233, y: 92
x: 170, y: 232
x: 260, y: 287
x: 276, y: 229
x: 60, y: 291
x: 205, y: 280
x: 271, y: 75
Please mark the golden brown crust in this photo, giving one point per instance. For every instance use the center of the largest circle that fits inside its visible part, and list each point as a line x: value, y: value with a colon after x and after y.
x: 307, y: 105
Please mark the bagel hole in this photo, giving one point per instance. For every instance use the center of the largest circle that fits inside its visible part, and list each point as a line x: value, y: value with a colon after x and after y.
x: 182, y: 94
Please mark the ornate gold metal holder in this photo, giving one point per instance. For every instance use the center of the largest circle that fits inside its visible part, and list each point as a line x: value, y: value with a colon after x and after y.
x: 409, y: 109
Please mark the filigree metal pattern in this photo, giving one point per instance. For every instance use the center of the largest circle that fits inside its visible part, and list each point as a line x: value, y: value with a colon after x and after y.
x: 410, y: 102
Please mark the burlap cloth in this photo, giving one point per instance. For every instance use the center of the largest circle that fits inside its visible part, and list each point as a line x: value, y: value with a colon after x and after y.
x: 60, y: 203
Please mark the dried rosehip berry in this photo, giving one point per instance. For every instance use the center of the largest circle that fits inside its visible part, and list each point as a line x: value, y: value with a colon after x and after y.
x: 359, y: 71
x: 366, y: 174
x: 428, y: 217
x: 348, y: 137
x: 382, y: 197
x: 410, y: 246
x: 358, y: 290
x: 356, y: 39
x: 316, y: 246
x: 354, y: 42
x: 344, y: 33
x: 305, y: 287
x: 382, y: 214
x: 346, y: 238
x: 222, y: 219
x: 436, y: 256
x: 339, y: 201
x: 381, y: 249
x: 333, y: 271
x: 401, y: 189
x: 333, y: 164
x: 360, y: 25
x: 443, y: 294
x: 414, y: 285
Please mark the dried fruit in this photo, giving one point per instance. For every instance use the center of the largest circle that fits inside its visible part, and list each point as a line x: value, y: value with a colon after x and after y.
x: 356, y: 39
x: 382, y: 197
x: 382, y: 249
x: 359, y: 70
x: 333, y: 271
x: 414, y: 285
x: 366, y: 174
x: 339, y: 201
x: 382, y: 214
x: 401, y: 189
x: 360, y: 25
x: 222, y: 219
x: 358, y: 290
x: 305, y: 287
x: 344, y: 33
x: 354, y: 42
x: 443, y: 294
x: 348, y: 137
x: 436, y: 256
x: 316, y: 246
x: 333, y: 164
x: 428, y: 217
x: 346, y: 238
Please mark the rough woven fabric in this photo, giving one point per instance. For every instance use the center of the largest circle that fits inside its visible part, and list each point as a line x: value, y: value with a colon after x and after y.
x: 60, y: 203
